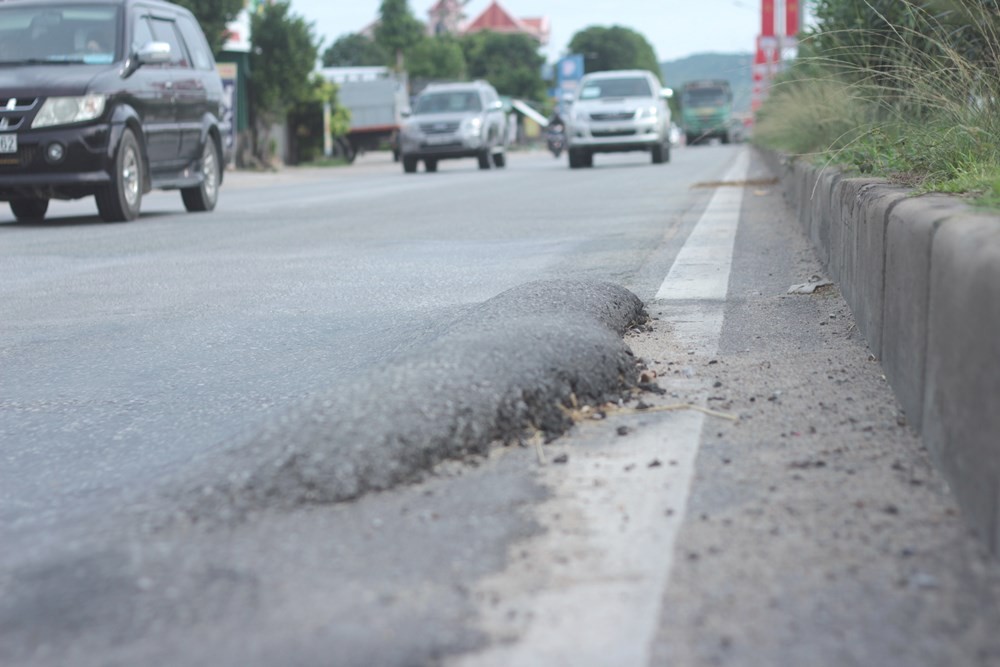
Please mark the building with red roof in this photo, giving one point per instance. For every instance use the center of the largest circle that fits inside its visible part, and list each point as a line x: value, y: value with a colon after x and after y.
x: 496, y: 18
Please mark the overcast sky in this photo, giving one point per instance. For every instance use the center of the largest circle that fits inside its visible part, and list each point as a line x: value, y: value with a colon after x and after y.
x: 675, y: 28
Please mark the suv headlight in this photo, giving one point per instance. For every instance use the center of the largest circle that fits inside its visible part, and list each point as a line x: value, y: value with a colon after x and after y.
x: 646, y: 112
x: 472, y: 126
x: 66, y: 110
x: 410, y: 129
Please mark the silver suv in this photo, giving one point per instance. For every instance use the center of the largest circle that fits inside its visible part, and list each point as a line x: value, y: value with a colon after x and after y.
x: 618, y: 111
x: 454, y: 120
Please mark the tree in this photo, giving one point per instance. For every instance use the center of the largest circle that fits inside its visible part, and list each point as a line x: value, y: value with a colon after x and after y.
x: 438, y: 58
x: 614, y: 48
x: 354, y: 51
x: 397, y: 31
x: 306, y: 121
x: 510, y: 62
x: 213, y: 15
x: 281, y: 62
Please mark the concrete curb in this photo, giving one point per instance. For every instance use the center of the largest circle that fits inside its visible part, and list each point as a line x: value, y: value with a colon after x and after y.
x: 922, y: 277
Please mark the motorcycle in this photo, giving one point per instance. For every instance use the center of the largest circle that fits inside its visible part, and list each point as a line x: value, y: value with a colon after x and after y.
x: 555, y: 139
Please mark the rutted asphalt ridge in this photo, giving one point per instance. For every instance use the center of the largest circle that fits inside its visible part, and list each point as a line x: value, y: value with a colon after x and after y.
x: 505, y: 369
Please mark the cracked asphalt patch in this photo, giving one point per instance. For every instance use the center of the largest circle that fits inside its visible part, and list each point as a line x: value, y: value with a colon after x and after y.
x: 509, y: 368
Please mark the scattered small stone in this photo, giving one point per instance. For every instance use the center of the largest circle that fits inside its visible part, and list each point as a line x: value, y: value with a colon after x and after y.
x: 891, y: 509
x: 717, y: 384
x: 655, y: 463
x: 622, y: 430
x: 562, y: 458
x: 642, y: 405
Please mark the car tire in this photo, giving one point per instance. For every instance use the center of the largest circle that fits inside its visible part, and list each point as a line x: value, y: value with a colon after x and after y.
x: 121, y: 199
x: 204, y: 196
x: 484, y: 160
x: 500, y: 160
x: 430, y: 166
x: 574, y: 159
x: 409, y: 164
x: 657, y: 154
x: 29, y: 209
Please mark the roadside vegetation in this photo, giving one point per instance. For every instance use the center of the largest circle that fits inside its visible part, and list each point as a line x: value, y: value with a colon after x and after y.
x: 907, y: 90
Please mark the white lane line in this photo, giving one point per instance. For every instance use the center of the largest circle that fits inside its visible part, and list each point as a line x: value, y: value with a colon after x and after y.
x: 587, y: 592
x: 701, y: 270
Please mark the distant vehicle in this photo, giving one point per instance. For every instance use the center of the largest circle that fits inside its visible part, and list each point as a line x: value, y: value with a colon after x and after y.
x: 376, y: 98
x: 555, y: 135
x: 110, y: 99
x: 454, y: 120
x: 707, y: 111
x: 618, y: 111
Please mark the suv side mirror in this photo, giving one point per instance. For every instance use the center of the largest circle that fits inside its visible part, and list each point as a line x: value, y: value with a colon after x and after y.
x: 153, y: 53
x: 667, y: 93
x: 405, y: 112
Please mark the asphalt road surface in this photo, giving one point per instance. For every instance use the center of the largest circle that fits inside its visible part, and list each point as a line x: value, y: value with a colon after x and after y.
x: 263, y: 435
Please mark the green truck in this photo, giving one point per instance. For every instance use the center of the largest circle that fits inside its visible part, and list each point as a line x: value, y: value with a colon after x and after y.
x: 706, y: 111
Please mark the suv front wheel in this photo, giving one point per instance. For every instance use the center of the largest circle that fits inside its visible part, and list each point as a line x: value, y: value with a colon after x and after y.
x: 29, y: 209
x: 121, y: 199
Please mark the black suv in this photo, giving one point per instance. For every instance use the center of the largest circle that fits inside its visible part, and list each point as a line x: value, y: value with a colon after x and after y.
x: 109, y: 98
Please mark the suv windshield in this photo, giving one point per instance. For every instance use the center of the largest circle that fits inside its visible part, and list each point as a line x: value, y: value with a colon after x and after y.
x: 705, y: 97
x: 626, y: 87
x: 448, y: 102
x: 70, y: 33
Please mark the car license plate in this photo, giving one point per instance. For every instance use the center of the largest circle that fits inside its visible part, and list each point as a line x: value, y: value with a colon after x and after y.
x: 8, y: 143
x: 442, y: 139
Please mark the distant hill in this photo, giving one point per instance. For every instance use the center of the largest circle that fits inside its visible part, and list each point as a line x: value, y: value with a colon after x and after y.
x: 735, y: 67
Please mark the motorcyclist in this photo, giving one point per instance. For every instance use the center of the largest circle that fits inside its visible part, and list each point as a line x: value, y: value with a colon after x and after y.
x: 556, y: 123
x: 555, y: 136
